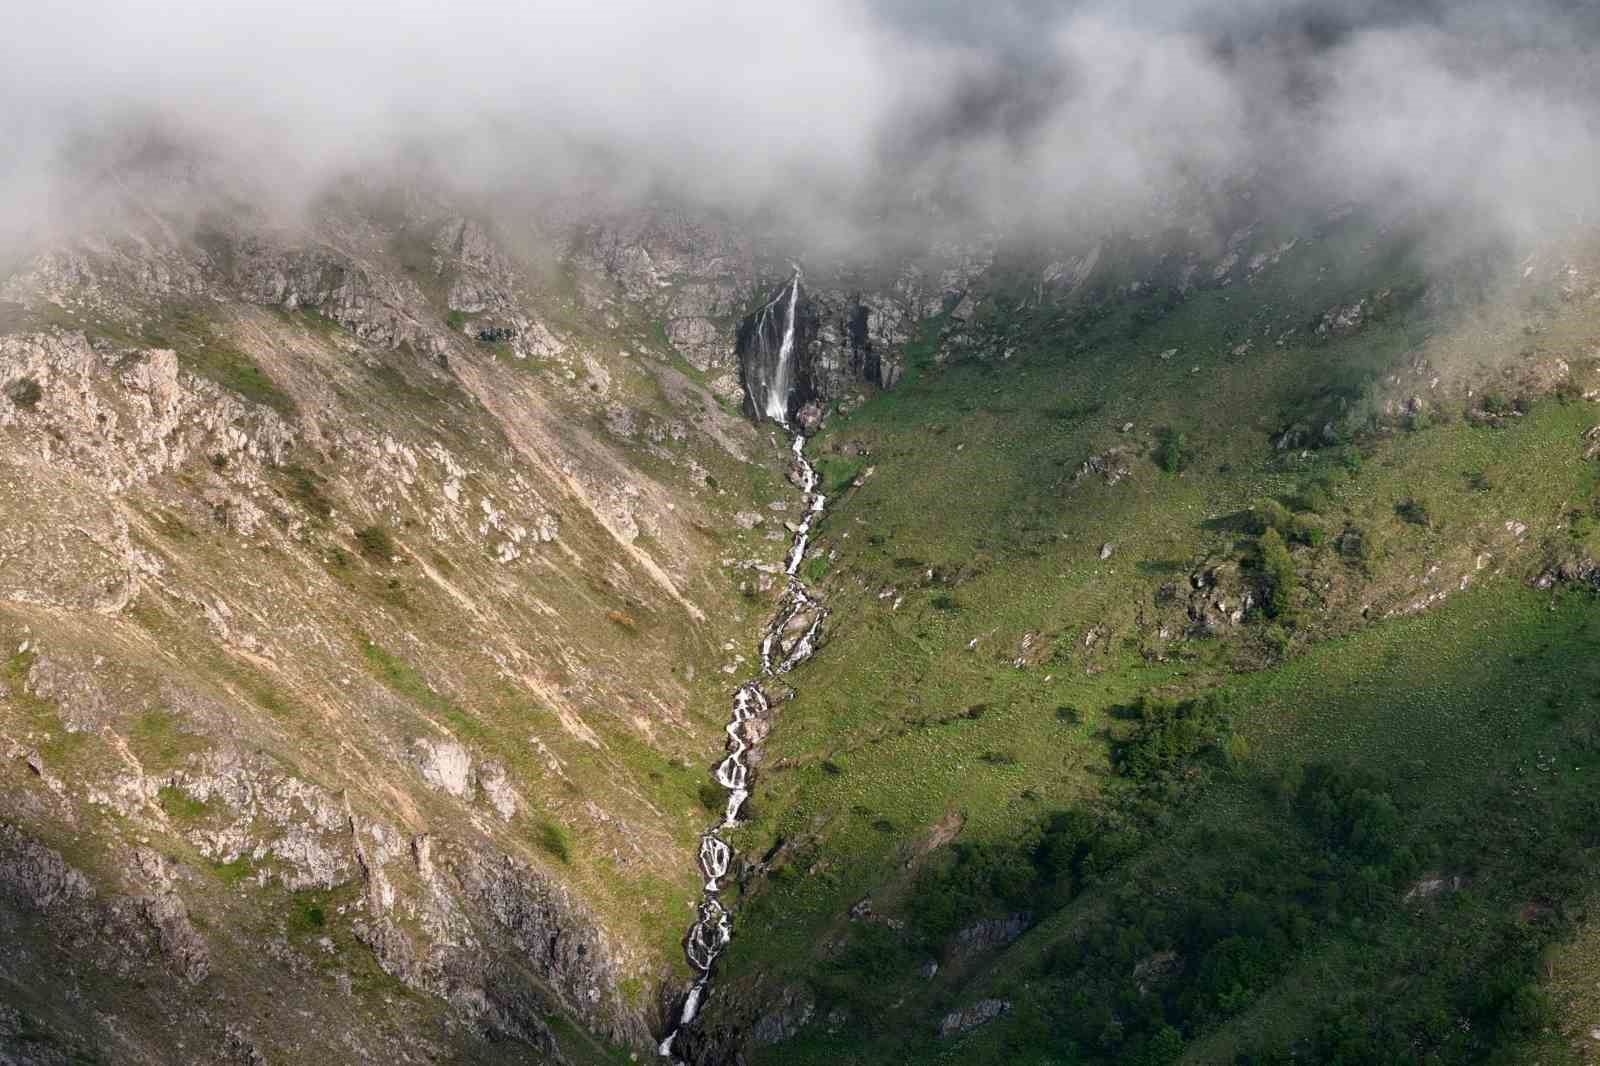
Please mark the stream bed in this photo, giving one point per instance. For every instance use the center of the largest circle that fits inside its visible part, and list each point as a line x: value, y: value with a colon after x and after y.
x: 789, y: 639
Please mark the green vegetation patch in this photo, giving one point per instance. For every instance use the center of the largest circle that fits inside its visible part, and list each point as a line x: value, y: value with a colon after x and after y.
x: 202, y: 352
x: 377, y: 543
x: 555, y: 841
x: 24, y: 391
x: 404, y: 680
x: 180, y: 806
x: 235, y: 871
x: 1213, y: 836
x: 159, y: 739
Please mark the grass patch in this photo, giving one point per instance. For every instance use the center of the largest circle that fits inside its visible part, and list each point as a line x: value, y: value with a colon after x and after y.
x: 179, y: 805
x: 234, y: 872
x: 838, y: 472
x: 158, y: 738
x: 555, y: 841
x: 404, y: 680
x: 975, y: 579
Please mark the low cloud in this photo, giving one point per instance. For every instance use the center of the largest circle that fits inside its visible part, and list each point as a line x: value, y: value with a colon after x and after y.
x: 830, y: 115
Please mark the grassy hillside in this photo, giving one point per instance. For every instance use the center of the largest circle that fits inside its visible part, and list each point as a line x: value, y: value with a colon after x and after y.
x: 1031, y: 703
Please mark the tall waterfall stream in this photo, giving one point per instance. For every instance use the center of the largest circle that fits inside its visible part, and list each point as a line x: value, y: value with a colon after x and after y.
x: 780, y: 653
x: 777, y: 407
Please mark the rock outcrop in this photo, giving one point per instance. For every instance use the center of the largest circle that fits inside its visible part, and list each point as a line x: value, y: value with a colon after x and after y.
x: 965, y: 1019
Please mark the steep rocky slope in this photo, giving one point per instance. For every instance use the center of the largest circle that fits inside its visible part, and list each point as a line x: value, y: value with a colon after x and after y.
x: 367, y: 606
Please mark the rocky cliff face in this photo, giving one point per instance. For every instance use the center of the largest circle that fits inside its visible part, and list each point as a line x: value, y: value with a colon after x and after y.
x: 708, y: 285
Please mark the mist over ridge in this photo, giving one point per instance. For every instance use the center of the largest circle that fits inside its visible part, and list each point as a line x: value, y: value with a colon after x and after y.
x: 835, y: 118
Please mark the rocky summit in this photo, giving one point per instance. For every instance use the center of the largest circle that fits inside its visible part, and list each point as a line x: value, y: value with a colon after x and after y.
x: 833, y: 536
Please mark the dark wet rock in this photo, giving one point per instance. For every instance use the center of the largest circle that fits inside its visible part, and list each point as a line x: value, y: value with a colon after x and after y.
x: 177, y: 939
x: 966, y: 1019
x: 792, y: 1012
x: 809, y: 417
x: 1152, y: 971
x: 989, y: 934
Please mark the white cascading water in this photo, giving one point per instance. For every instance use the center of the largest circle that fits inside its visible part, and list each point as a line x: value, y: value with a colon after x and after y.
x: 712, y: 928
x: 777, y: 402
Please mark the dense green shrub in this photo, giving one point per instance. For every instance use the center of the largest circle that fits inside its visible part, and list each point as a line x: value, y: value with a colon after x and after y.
x: 1173, y: 452
x: 1307, y: 530
x: 712, y: 797
x: 24, y: 392
x: 1414, y: 509
x: 306, y: 486
x: 553, y: 841
x: 1168, y: 733
x: 1278, y: 577
x: 1270, y: 514
x: 376, y: 543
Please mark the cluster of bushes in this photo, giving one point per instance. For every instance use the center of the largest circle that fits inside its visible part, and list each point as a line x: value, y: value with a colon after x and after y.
x: 1317, y: 864
x: 1156, y: 969
x: 1279, y: 525
x: 1167, y: 734
x: 1298, y: 522
x: 1042, y: 870
x: 1278, y: 576
x: 1037, y: 872
x: 1328, y: 855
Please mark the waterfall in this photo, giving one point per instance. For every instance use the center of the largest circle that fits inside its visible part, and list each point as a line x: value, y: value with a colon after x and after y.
x: 712, y: 928
x: 777, y: 406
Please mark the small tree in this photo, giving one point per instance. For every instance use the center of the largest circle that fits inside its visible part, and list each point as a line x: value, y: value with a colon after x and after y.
x: 24, y: 392
x: 1277, y: 568
x: 1173, y: 452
